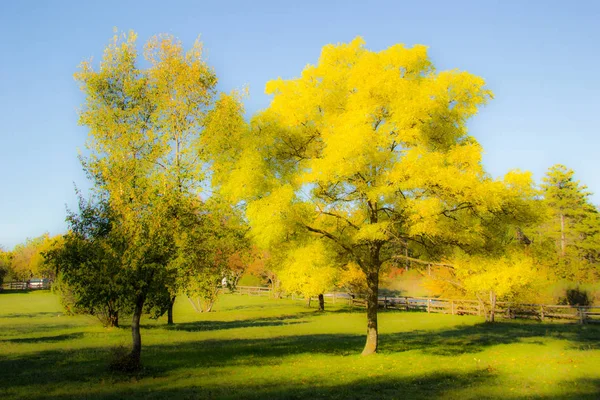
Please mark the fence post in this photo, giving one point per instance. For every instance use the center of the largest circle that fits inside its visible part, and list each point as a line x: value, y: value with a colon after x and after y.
x: 385, y: 302
x: 428, y: 306
x: 542, y: 312
x: 407, y: 304
x: 452, y: 306
x: 581, y: 315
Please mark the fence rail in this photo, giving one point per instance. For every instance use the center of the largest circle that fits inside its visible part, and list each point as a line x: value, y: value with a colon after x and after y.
x: 542, y: 312
x: 15, y: 285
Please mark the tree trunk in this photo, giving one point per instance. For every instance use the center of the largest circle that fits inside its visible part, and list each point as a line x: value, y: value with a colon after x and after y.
x: 136, y: 351
x: 562, y: 235
x: 113, y: 318
x: 307, y: 301
x: 372, y: 294
x: 321, y: 302
x: 492, y: 306
x: 170, y: 311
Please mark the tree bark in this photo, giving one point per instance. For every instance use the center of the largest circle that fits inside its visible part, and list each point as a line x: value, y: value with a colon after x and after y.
x: 170, y: 311
x: 562, y: 235
x: 321, y: 302
x: 372, y: 294
x: 113, y: 317
x: 492, y: 306
x: 136, y: 351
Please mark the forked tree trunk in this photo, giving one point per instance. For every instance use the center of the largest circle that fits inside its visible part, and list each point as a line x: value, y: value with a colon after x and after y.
x: 113, y: 318
x: 136, y: 351
x: 170, y: 311
x: 372, y: 294
x: 321, y: 302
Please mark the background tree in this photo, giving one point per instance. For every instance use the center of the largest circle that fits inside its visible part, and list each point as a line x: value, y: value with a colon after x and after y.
x: 27, y: 259
x: 5, y: 258
x: 309, y: 270
x: 567, y: 242
x: 367, y: 149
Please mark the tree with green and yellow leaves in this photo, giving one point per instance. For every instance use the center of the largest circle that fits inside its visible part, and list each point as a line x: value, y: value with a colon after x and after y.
x: 569, y: 240
x: 145, y: 154
x: 368, y: 150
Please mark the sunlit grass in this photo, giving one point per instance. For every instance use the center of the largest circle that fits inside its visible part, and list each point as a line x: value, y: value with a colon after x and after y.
x: 253, y: 347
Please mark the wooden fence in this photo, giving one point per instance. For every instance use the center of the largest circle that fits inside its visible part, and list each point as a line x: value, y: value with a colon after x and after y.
x: 15, y: 285
x: 253, y: 290
x: 542, y: 312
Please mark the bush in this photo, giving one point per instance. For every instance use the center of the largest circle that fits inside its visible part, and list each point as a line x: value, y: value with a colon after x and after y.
x: 576, y: 297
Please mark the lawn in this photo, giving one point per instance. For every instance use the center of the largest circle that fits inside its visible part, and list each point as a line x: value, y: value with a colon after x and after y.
x: 258, y: 348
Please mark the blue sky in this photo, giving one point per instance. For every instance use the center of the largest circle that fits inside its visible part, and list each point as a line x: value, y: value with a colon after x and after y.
x: 540, y: 58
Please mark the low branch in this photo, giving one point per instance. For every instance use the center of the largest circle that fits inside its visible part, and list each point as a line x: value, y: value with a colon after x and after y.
x: 339, y: 243
x: 423, y: 262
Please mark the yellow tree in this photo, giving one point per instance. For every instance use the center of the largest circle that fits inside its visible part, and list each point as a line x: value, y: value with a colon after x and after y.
x: 309, y: 270
x: 367, y: 149
x: 27, y: 258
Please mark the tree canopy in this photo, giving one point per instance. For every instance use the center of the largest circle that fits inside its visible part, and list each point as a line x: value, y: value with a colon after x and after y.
x: 369, y: 150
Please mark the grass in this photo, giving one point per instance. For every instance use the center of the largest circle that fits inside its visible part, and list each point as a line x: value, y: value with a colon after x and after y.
x: 257, y: 348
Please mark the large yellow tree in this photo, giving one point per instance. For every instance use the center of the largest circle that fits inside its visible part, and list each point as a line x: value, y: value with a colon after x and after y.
x: 369, y: 150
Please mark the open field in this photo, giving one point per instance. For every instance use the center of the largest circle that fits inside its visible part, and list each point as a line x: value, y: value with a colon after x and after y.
x: 257, y: 348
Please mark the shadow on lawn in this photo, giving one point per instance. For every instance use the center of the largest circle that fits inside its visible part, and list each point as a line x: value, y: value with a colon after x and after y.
x: 45, y: 339
x: 31, y: 372
x: 213, y: 325
x: 430, y: 386
x: 475, y: 338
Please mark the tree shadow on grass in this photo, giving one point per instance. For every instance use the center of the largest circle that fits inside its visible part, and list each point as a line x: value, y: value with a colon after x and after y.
x: 44, y: 339
x: 475, y: 338
x: 32, y: 329
x: 431, y: 386
x: 32, y: 372
x: 212, y: 325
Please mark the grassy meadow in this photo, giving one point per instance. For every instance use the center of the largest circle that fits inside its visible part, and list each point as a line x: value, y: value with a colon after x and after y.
x: 259, y: 348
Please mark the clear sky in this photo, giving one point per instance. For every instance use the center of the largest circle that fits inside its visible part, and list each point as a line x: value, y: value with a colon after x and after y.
x: 541, y: 59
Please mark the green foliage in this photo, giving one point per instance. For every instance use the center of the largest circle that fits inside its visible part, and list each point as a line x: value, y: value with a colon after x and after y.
x: 569, y: 240
x: 89, y: 263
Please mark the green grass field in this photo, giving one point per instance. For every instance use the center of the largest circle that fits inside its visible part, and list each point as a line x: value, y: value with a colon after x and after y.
x: 257, y: 348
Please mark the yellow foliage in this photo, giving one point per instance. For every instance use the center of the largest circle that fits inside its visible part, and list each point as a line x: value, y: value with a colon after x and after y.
x: 268, y: 216
x: 353, y: 279
x: 506, y: 276
x: 308, y: 270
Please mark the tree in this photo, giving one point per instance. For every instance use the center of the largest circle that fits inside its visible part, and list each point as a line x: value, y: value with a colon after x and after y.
x: 570, y: 238
x: 369, y: 150
x: 145, y: 154
x: 503, y: 277
x: 309, y: 270
x: 27, y: 259
x: 4, y: 264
